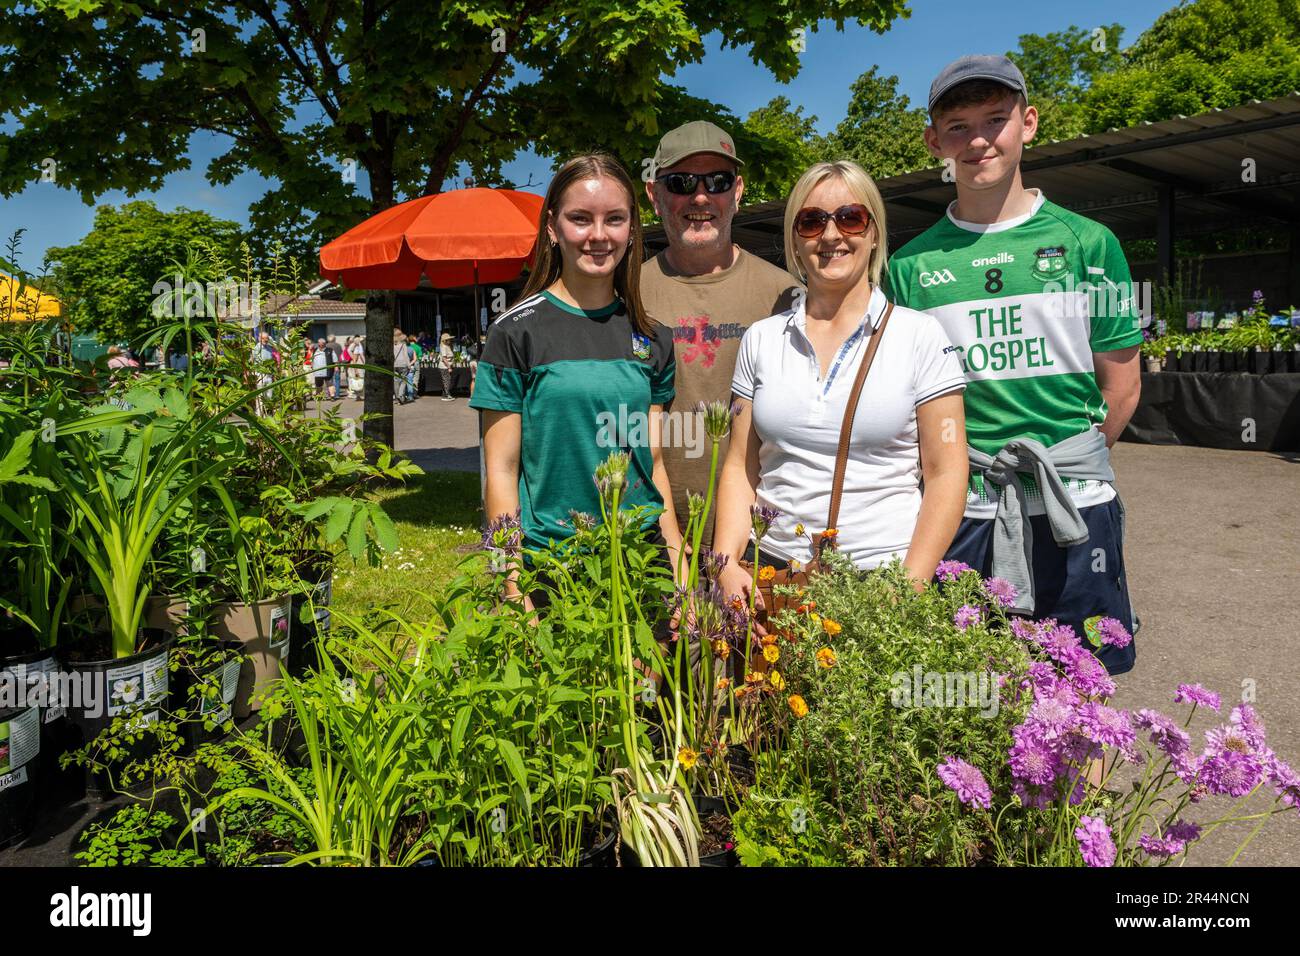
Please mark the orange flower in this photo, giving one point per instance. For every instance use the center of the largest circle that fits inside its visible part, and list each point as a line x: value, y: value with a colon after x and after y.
x: 753, y: 678
x: 724, y: 683
x: 771, y: 653
x: 766, y: 573
x: 736, y: 603
x: 826, y: 657
x: 768, y: 638
x: 797, y: 705
x: 830, y: 533
x: 830, y: 627
x: 688, y: 757
x: 806, y: 608
x: 721, y: 648
x: 776, y: 680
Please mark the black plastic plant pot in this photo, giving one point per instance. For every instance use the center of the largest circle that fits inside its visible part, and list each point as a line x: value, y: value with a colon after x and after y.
x: 137, y: 686
x: 217, y: 673
x: 706, y: 806
x: 20, y: 747
x: 601, y: 852
x: 310, y: 616
x: 33, y: 678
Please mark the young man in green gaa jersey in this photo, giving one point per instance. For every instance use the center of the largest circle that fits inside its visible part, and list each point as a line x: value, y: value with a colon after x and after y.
x: 1039, y: 303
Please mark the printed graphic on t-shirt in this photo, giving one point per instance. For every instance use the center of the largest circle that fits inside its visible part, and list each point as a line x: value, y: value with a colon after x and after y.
x: 697, y: 339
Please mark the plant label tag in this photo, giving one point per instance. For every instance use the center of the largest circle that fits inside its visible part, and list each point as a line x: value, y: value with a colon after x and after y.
x: 156, y: 678
x: 280, y: 629
x: 20, y: 740
x: 19, y: 776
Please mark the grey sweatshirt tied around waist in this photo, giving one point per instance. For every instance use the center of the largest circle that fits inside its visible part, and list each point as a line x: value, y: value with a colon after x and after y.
x: 1083, y: 456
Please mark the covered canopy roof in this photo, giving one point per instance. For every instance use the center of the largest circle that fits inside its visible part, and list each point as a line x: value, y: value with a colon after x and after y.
x: 1117, y: 177
x: 31, y: 304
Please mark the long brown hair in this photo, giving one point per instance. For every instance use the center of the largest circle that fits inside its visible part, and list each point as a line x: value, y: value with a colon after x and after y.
x: 548, y: 264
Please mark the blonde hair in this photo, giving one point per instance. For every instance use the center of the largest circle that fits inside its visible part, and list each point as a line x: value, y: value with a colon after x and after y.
x: 863, y: 187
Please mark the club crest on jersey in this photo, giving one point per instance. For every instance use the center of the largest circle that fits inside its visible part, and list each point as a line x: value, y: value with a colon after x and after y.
x: 1049, y: 263
x: 640, y: 346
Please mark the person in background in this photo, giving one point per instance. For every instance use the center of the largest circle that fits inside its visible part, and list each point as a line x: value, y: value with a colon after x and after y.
x: 319, y: 361
x: 445, y: 356
x: 119, y: 358
x: 704, y: 287
x: 401, y: 367
x: 332, y: 358
x: 356, y: 376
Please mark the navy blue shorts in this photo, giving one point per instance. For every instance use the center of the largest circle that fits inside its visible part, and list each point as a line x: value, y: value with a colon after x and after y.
x: 1066, y: 586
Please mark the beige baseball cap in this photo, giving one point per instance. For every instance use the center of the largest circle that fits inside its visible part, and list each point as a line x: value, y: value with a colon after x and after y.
x: 700, y: 136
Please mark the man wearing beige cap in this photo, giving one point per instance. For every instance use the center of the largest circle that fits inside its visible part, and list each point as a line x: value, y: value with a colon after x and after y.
x: 703, y: 286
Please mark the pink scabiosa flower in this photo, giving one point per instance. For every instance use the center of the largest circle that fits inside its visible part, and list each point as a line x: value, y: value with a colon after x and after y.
x: 1163, y: 847
x: 1171, y: 739
x: 1243, y: 716
x: 964, y: 778
x: 1036, y: 798
x: 1001, y: 591
x: 966, y: 616
x: 1183, y: 830
x: 1025, y: 630
x: 1107, y: 726
x: 1089, y: 676
x: 951, y: 570
x: 1078, y: 749
x: 1095, y: 842
x: 1231, y: 773
x: 1060, y: 642
x: 1284, y: 780
x: 1032, y: 760
x: 1054, y: 715
x: 1113, y: 632
x: 1197, y: 695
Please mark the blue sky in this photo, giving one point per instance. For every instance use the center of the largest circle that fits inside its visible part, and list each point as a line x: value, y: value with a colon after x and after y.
x: 914, y: 49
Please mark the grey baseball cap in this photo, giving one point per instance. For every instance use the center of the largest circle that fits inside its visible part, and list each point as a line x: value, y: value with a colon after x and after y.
x: 688, y: 139
x: 977, y: 66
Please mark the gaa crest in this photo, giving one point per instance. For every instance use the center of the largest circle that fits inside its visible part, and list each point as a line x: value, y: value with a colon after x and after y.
x: 1049, y: 263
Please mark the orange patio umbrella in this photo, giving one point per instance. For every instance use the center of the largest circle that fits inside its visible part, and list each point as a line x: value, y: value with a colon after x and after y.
x: 458, y: 238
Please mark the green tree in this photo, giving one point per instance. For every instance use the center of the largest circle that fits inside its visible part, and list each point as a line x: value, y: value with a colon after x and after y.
x: 405, y: 93
x: 795, y: 146
x: 1211, y: 54
x: 106, y: 280
x: 1059, y: 67
x: 881, y: 130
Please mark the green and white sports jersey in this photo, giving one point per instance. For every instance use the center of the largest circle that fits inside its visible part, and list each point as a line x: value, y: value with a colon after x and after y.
x: 1026, y: 302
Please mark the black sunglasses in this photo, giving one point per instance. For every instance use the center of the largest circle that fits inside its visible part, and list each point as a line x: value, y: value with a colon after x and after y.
x: 685, y: 184
x: 852, y: 220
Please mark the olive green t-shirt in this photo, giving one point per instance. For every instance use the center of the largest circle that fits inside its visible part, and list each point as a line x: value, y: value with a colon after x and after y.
x: 708, y: 316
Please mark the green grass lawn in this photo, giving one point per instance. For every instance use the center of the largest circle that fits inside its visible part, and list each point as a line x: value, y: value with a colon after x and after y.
x: 437, y: 517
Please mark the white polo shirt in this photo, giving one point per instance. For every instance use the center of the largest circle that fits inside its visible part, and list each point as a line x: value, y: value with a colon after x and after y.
x: 798, y: 416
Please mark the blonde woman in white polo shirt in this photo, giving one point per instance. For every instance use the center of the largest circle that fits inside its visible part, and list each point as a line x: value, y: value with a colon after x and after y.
x: 792, y: 383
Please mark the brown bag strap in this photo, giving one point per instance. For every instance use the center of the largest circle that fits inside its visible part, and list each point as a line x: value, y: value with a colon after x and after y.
x: 846, y: 429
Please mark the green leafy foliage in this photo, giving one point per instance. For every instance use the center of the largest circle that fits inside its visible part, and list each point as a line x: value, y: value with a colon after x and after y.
x: 861, y: 764
x: 881, y: 130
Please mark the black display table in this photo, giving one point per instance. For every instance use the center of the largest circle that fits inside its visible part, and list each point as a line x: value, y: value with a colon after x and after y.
x: 431, y: 381
x: 1238, y: 411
